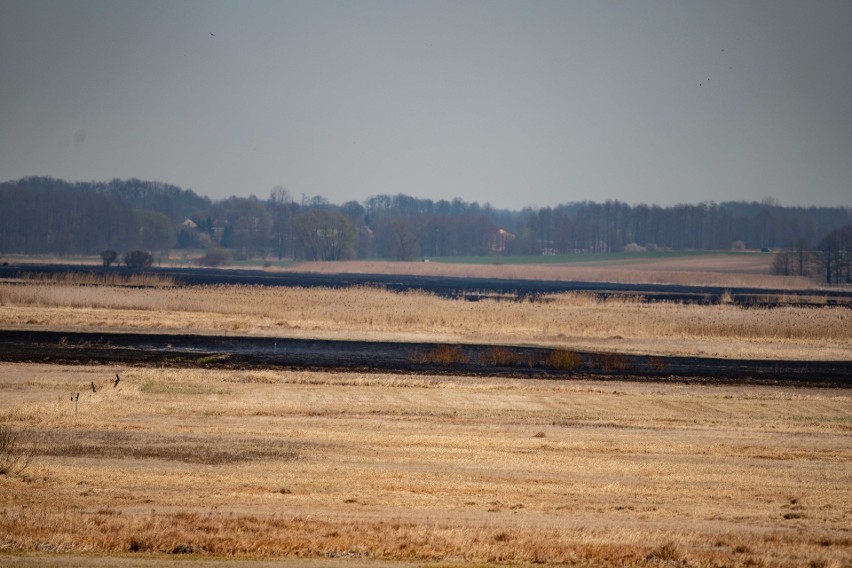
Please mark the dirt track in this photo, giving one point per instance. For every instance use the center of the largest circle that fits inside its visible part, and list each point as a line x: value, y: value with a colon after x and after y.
x: 456, y: 359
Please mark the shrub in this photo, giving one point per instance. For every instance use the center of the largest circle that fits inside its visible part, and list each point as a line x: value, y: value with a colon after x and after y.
x: 138, y: 259
x: 448, y: 355
x: 108, y: 257
x: 563, y: 359
x: 499, y: 356
x: 14, y: 456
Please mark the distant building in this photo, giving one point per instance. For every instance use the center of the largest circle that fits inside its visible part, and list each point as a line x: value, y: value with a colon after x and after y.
x: 500, y: 241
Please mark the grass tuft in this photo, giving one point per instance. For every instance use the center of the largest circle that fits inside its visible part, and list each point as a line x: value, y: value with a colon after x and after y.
x: 447, y: 355
x: 563, y: 359
x: 668, y: 552
x: 499, y: 356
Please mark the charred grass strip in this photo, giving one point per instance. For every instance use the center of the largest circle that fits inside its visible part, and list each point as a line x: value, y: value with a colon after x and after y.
x: 217, y: 352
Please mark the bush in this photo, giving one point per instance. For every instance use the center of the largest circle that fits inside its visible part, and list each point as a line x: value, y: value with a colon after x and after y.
x: 448, y: 355
x: 562, y: 359
x: 14, y: 456
x: 499, y: 356
x: 138, y: 259
x: 108, y: 257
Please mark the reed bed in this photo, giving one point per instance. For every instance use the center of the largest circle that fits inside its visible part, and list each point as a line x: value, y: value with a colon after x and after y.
x: 107, y: 279
x: 262, y: 464
x: 571, y: 320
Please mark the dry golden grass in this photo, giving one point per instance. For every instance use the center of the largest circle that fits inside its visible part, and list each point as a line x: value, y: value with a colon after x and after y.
x: 107, y: 279
x: 742, y: 270
x: 321, y: 465
x: 573, y: 321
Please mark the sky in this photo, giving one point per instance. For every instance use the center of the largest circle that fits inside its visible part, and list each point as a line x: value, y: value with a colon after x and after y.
x: 512, y: 103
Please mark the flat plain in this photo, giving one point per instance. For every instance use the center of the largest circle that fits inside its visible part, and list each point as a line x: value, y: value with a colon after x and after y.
x: 226, y: 466
x: 282, y: 464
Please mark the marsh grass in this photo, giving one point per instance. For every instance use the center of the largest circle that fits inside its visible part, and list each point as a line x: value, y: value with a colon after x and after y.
x: 499, y: 356
x: 144, y: 280
x: 445, y: 355
x: 570, y: 321
x: 563, y: 359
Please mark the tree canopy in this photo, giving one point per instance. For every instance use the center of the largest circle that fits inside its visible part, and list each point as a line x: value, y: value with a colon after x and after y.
x: 47, y: 215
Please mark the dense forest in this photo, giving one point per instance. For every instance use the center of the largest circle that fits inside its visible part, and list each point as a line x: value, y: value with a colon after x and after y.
x: 47, y: 215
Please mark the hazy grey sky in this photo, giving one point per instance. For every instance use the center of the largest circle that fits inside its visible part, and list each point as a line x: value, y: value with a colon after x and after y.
x: 508, y: 102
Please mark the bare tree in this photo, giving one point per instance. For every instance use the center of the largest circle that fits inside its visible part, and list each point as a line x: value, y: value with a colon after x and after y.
x: 796, y: 259
x: 15, y: 456
x: 835, y: 256
x: 108, y: 257
x: 280, y: 195
x: 325, y: 235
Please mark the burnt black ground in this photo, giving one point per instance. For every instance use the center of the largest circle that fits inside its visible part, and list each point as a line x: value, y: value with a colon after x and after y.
x: 228, y: 352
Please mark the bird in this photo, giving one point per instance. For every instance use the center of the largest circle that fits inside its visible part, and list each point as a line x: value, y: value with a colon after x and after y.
x: 212, y: 34
x: 93, y: 387
x: 117, y: 380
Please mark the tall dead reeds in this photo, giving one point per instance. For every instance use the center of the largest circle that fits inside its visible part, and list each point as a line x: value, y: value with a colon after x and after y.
x: 564, y: 320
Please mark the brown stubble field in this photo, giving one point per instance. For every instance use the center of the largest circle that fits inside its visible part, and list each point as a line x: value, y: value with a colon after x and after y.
x: 225, y: 465
x: 457, y: 470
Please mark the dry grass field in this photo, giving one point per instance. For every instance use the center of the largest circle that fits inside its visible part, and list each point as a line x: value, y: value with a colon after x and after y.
x: 745, y: 269
x: 236, y: 464
x: 734, y: 270
x: 573, y: 321
x: 181, y: 465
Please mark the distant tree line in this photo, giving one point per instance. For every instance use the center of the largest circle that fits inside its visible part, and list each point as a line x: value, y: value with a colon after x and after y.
x: 47, y: 215
x: 43, y: 215
x: 831, y: 260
